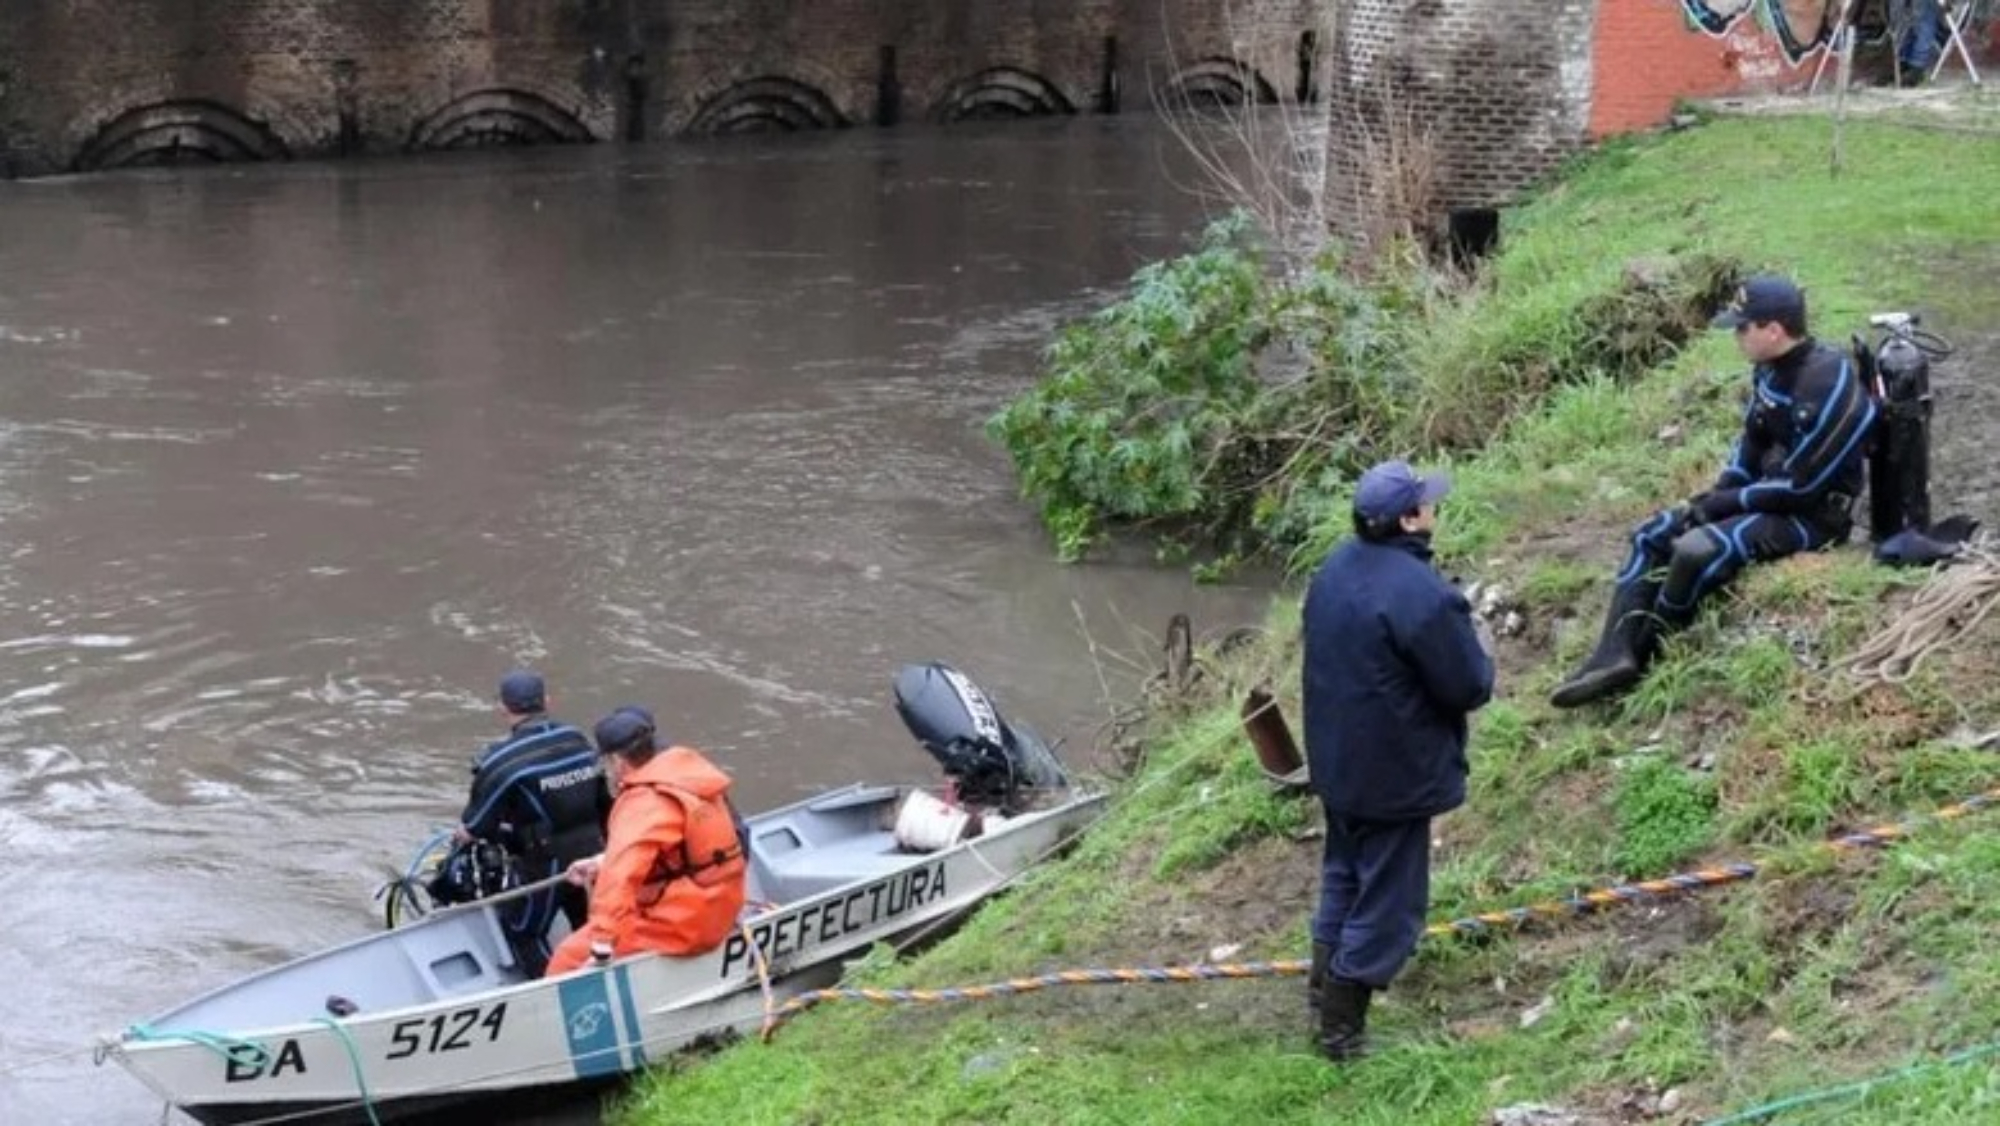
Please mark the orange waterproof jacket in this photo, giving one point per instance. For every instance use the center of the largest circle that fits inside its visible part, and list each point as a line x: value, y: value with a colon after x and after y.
x: 672, y: 880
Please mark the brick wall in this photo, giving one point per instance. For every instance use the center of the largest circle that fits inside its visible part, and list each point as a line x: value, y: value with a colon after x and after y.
x: 1501, y: 88
x: 105, y: 82
x: 88, y: 84
x: 1507, y: 87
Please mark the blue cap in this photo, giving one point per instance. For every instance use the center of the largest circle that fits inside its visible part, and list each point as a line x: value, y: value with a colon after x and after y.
x: 623, y: 730
x: 522, y: 692
x: 1393, y: 489
x: 1765, y: 297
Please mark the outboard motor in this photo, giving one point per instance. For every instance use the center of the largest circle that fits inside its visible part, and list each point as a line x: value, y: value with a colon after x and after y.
x: 1898, y: 371
x: 993, y: 763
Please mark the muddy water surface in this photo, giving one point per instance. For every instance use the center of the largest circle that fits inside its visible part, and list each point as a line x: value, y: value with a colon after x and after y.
x: 296, y: 461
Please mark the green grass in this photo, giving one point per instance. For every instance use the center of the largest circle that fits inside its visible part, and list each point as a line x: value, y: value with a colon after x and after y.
x: 1824, y: 970
x: 1665, y: 814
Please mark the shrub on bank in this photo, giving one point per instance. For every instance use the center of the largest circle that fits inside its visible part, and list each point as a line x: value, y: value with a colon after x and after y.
x: 1220, y: 409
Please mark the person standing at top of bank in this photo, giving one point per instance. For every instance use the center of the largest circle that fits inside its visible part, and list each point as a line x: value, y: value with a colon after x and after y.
x: 541, y: 794
x: 1394, y: 666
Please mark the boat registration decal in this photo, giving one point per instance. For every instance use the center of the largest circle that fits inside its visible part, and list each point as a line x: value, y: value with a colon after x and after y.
x: 454, y: 1031
x: 242, y: 1063
x: 823, y: 923
x: 589, y: 1024
x: 633, y: 1032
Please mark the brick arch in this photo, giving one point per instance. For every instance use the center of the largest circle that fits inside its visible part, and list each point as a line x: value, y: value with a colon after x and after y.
x: 177, y: 131
x: 766, y: 104
x: 498, y: 116
x: 1218, y: 80
x: 1001, y: 92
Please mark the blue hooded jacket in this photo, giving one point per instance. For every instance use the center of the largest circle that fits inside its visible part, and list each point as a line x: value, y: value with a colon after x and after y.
x: 1393, y: 667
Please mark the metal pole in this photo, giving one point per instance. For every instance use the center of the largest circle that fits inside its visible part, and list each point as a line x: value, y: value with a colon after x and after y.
x: 1843, y: 41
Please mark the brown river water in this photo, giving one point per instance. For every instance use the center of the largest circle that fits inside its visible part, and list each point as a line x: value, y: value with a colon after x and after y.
x: 296, y: 461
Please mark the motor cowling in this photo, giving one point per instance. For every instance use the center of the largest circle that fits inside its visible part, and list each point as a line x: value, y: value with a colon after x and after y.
x: 1899, y: 495
x: 993, y: 764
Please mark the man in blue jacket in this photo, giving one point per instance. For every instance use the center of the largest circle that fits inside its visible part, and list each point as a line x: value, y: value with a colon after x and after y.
x: 1393, y: 667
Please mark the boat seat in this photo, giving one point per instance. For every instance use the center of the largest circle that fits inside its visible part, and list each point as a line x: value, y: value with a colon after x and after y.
x: 450, y: 961
x: 810, y: 871
x: 869, y: 795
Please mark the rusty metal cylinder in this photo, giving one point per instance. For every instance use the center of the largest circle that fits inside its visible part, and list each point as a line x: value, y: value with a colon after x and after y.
x: 1269, y: 735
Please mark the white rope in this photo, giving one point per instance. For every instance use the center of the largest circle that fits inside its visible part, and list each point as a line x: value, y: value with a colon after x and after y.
x: 1960, y: 594
x: 52, y: 1057
x: 499, y: 897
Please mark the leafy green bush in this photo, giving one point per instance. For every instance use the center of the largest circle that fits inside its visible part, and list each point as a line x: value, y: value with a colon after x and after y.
x: 1211, y: 400
x: 1140, y: 399
x: 1218, y: 408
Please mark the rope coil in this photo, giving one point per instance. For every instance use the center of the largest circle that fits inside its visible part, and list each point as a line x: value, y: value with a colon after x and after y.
x: 1957, y: 598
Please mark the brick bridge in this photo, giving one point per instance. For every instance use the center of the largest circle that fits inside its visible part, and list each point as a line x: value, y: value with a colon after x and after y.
x: 1510, y: 86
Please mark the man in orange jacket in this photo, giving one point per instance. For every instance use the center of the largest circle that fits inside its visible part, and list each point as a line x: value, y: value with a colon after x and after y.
x: 671, y: 878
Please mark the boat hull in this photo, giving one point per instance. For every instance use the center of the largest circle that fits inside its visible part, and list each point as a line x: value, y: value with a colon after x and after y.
x: 551, y: 1038
x: 419, y: 1110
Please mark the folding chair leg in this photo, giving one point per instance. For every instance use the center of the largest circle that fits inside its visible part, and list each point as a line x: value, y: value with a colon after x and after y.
x: 1955, y: 21
x: 1832, y: 45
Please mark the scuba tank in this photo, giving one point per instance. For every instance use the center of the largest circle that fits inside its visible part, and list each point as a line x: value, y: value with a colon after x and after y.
x: 1898, y: 374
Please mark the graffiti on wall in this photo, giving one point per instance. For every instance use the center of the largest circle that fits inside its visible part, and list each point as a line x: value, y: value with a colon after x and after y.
x: 1800, y: 27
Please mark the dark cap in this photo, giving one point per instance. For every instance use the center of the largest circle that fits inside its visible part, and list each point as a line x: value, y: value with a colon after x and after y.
x: 1765, y: 297
x: 1393, y: 489
x: 626, y: 729
x: 522, y: 692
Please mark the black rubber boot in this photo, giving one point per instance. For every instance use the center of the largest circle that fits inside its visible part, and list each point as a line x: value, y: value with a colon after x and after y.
x: 1316, y: 980
x: 1627, y: 646
x: 1343, y: 1020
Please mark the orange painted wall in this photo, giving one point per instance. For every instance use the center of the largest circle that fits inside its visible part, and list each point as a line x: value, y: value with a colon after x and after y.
x: 1647, y: 53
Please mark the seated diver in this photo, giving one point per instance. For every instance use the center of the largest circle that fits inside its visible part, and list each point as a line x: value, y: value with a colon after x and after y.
x: 1789, y: 486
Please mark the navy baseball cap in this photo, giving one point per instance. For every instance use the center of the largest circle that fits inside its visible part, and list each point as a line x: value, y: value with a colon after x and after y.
x: 1765, y: 297
x: 522, y: 692
x: 623, y: 729
x: 1393, y: 489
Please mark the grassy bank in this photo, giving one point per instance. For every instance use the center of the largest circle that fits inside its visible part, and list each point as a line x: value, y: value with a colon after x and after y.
x: 1741, y: 745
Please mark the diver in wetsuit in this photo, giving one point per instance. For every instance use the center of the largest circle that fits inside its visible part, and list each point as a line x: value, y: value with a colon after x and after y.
x: 542, y: 794
x: 1789, y: 486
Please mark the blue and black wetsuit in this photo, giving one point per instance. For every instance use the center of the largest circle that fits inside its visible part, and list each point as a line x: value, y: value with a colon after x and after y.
x: 1789, y: 486
x: 540, y: 792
